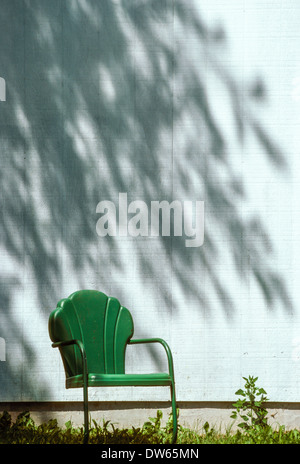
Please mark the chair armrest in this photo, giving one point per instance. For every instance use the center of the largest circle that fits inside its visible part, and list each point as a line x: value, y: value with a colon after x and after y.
x: 82, y: 352
x: 69, y: 342
x: 164, y: 344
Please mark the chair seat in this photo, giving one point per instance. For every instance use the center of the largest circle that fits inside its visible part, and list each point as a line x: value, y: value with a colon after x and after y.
x: 114, y: 380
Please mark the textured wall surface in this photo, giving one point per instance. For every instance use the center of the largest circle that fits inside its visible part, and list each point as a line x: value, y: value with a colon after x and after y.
x: 162, y: 100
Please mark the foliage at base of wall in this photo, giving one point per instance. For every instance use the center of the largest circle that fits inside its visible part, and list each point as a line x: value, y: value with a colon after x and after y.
x: 25, y: 431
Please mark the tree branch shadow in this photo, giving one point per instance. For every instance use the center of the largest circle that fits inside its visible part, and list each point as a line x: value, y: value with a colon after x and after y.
x: 100, y: 100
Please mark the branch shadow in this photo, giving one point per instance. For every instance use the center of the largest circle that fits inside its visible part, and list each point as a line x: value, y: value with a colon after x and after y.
x: 102, y: 99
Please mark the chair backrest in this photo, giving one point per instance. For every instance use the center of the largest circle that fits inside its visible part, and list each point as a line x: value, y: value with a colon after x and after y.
x: 103, y: 326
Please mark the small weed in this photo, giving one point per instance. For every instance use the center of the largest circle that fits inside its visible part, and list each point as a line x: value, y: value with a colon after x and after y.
x: 250, y: 408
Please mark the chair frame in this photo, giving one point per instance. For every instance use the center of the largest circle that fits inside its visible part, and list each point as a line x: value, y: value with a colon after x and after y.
x: 80, y: 345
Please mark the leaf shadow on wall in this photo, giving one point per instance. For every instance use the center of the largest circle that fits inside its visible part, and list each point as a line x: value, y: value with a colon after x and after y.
x: 107, y: 97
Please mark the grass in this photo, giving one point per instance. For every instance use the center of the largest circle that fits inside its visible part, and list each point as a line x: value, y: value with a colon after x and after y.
x: 25, y: 431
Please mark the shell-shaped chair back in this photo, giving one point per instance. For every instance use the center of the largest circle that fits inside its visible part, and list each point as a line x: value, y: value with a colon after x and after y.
x: 100, y: 323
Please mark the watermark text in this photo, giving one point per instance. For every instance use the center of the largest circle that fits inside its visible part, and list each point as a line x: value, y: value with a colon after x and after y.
x: 2, y: 89
x: 2, y: 349
x: 161, y: 218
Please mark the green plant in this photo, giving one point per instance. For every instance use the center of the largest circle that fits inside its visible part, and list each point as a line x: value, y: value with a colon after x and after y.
x: 154, y: 429
x: 25, y: 431
x: 250, y: 408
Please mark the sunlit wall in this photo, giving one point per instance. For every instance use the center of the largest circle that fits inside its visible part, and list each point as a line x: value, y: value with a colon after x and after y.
x: 161, y: 100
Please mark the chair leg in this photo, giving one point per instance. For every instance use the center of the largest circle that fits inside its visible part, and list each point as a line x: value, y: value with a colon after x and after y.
x: 174, y: 412
x: 86, y: 413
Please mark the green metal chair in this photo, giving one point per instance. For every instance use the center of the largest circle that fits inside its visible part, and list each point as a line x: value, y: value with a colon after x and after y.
x: 92, y: 331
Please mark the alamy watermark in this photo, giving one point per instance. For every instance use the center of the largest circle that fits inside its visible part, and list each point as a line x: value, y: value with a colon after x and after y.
x: 2, y: 350
x: 2, y: 89
x: 137, y: 219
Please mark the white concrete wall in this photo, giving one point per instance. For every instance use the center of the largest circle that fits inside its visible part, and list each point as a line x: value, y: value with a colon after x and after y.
x: 162, y: 100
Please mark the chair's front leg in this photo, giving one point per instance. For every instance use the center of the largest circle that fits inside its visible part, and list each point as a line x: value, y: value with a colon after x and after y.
x: 174, y: 413
x: 85, y: 409
x: 171, y: 372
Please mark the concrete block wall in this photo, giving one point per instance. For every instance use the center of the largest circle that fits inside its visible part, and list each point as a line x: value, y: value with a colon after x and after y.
x: 162, y: 100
